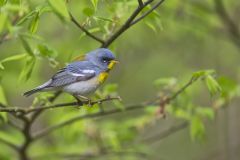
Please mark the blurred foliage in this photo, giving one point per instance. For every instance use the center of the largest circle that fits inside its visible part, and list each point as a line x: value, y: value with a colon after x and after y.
x: 38, y: 37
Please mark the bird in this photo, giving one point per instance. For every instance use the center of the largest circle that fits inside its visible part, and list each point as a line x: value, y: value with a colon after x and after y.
x: 81, y: 78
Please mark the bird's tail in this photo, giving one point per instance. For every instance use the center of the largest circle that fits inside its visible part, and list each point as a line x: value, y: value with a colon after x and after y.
x: 29, y: 93
x: 38, y: 89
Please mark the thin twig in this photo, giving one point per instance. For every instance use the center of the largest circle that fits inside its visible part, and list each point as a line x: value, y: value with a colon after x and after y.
x: 71, y: 104
x: 192, y: 80
x: 147, y: 13
x: 85, y: 30
x: 126, y: 25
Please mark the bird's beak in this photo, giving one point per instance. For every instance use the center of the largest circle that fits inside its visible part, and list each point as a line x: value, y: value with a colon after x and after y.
x: 115, y: 61
x: 112, y: 64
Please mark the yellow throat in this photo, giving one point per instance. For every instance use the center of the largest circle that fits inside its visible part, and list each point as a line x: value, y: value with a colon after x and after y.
x: 104, y: 75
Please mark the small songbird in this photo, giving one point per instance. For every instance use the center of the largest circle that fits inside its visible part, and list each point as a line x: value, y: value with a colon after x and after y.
x: 83, y: 77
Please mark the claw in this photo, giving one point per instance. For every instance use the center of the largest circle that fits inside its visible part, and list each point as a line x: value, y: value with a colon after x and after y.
x: 89, y: 102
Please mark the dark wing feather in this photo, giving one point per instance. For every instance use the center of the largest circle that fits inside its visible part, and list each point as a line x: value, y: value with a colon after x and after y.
x: 71, y: 74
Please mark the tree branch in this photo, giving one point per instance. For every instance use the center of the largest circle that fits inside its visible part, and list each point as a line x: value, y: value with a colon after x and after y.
x: 140, y: 3
x: 147, y: 13
x: 46, y: 131
x: 28, y: 122
x: 71, y: 104
x: 126, y: 25
x: 157, y: 101
x: 85, y: 30
x: 129, y: 22
x: 190, y: 82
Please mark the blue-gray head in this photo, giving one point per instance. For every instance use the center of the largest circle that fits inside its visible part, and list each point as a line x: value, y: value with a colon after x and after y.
x: 103, y: 58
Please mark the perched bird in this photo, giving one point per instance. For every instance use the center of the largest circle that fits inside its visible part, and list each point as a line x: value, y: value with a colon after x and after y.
x: 83, y: 77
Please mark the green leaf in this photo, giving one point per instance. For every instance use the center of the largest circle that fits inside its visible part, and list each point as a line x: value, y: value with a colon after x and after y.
x: 229, y: 87
x: 93, y: 30
x: 151, y: 26
x: 43, y: 9
x: 1, y: 66
x: 95, y: 3
x: 203, y: 73
x: 27, y: 69
x: 3, y: 20
x: 88, y: 11
x: 182, y: 113
x: 34, y: 23
x: 26, y: 17
x: 212, y: 85
x: 12, y: 58
x: 49, y: 53
x: 46, y: 51
x: 197, y: 128
x: 205, y: 112
x: 3, y: 100
x: 60, y: 8
x: 2, y: 2
x: 103, y: 19
x: 26, y: 46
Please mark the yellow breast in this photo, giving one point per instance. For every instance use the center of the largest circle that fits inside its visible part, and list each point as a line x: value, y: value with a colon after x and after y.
x: 102, y: 77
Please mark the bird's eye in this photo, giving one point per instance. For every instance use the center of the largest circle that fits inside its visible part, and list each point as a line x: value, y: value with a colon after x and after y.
x: 105, y: 60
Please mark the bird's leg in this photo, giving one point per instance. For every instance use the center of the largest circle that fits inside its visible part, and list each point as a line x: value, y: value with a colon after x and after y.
x: 79, y: 102
x: 87, y: 99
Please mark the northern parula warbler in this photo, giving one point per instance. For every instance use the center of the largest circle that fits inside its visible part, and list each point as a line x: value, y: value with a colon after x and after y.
x: 82, y: 77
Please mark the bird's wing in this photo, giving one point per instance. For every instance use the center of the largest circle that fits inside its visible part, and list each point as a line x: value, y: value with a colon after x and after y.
x: 74, y: 72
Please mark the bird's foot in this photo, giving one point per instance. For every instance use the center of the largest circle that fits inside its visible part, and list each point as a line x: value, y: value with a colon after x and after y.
x: 79, y: 102
x: 87, y: 101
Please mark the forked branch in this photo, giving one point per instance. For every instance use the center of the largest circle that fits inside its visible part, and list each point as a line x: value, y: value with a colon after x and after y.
x: 128, y: 23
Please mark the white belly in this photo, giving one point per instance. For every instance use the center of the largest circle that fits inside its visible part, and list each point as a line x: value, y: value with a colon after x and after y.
x: 83, y: 88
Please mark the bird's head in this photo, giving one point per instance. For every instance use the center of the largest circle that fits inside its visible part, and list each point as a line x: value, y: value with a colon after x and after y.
x: 103, y: 58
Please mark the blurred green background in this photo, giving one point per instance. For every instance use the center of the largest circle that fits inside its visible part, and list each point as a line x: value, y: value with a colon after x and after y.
x: 182, y: 37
